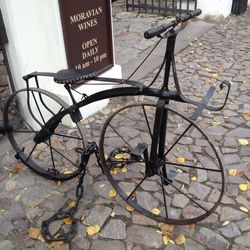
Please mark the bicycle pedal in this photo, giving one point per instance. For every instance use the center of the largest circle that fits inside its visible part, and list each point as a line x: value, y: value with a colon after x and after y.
x: 139, y: 149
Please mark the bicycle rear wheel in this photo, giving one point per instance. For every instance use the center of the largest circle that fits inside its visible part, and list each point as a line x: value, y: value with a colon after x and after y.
x: 187, y: 182
x: 55, y: 158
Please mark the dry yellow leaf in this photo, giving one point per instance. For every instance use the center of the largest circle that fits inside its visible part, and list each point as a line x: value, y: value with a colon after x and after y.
x: 112, y: 214
x: 2, y: 211
x: 235, y: 172
x: 225, y: 223
x: 243, y: 187
x: 155, y: 211
x: 71, y: 204
x: 124, y: 170
x: 179, y: 171
x: 59, y: 183
x: 106, y: 156
x: 194, y: 178
x: 34, y: 233
x: 118, y: 156
x: 68, y: 172
x: 17, y: 198
x: 19, y: 166
x: 243, y: 142
x: 216, y: 123
x: 67, y: 221
x: 115, y: 171
x: 215, y: 75
x: 245, y: 115
x: 181, y: 159
x: 112, y: 193
x: 166, y: 229
x: 208, y: 81
x: 208, y: 69
x: 244, y: 209
x: 192, y: 226
x: 181, y: 239
x: 129, y: 208
x: 166, y: 239
x: 102, y: 185
x: 91, y: 230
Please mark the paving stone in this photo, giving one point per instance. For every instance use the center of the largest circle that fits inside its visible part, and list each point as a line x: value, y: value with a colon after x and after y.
x: 146, y: 200
x: 121, y: 211
x: 33, y: 196
x: 172, y: 247
x: 6, y: 245
x: 5, y: 227
x: 199, y: 190
x: 140, y: 219
x: 180, y: 200
x: 145, y: 236
x: 243, y: 240
x: 230, y: 231
x: 98, y: 215
x: 107, y: 245
x: 244, y: 225
x: 193, y: 245
x: 239, y: 132
x: 210, y: 239
x: 80, y: 243
x: 231, y: 214
x: 17, y: 211
x: 115, y: 230
x: 102, y: 188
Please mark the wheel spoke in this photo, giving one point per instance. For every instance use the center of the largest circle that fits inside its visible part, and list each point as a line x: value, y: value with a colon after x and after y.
x: 189, y: 166
x: 164, y: 197
x: 178, y: 139
x: 68, y: 136
x: 31, y: 152
x: 146, y: 119
x: 169, y: 182
x: 145, y: 177
x: 121, y: 136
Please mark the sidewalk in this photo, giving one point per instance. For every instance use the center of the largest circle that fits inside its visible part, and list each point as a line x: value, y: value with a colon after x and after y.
x: 213, y: 53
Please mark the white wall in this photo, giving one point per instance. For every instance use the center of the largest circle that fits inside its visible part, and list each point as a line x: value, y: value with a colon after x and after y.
x: 36, y: 44
x: 215, y: 7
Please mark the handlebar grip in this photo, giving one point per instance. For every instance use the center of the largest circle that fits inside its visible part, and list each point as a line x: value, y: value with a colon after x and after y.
x: 195, y: 13
x: 157, y: 30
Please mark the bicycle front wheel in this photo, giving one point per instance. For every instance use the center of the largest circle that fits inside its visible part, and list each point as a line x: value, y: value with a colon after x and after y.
x: 25, y: 113
x: 186, y: 183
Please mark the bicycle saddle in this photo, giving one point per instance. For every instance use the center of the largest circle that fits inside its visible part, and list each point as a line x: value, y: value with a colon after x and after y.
x: 69, y: 76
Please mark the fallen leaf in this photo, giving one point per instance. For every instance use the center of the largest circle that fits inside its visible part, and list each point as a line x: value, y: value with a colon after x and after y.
x: 194, y: 178
x: 67, y: 221
x: 181, y: 159
x: 208, y: 69
x: 112, y: 214
x: 71, y: 204
x: 215, y: 75
x: 165, y: 239
x: 34, y: 233
x: 106, y: 156
x: 179, y: 171
x: 192, y: 226
x: 243, y: 142
x: 18, y: 167
x: 115, y: 171
x: 102, y: 185
x: 244, y: 209
x: 129, y: 208
x: 124, y: 170
x: 155, y: 211
x: 166, y: 229
x: 17, y: 198
x: 91, y: 230
x: 68, y: 172
x: 225, y: 223
x: 59, y: 183
x: 208, y: 81
x: 243, y: 187
x: 245, y: 115
x: 112, y: 193
x: 181, y: 239
x: 235, y: 172
x: 216, y: 123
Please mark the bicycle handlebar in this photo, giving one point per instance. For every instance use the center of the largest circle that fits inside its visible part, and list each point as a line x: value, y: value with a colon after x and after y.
x: 156, y: 31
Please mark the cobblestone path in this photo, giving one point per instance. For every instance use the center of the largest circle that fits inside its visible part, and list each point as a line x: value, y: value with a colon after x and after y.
x: 223, y: 53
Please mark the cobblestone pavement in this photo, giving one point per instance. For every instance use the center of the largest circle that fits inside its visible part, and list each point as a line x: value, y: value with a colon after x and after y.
x: 221, y: 53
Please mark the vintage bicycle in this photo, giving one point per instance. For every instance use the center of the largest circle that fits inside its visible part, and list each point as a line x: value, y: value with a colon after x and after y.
x: 157, y: 159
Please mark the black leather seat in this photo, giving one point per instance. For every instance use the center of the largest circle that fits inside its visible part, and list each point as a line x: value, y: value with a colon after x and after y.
x: 70, y: 76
